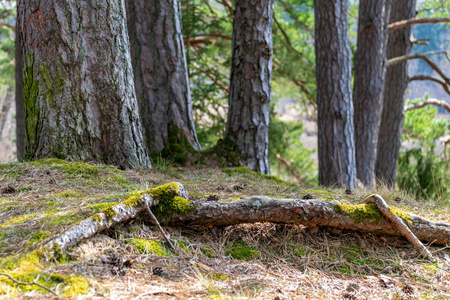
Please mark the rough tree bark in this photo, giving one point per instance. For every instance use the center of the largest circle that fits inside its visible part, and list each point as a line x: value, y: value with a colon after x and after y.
x: 396, y: 81
x: 7, y: 111
x: 250, y: 83
x: 160, y: 74
x: 368, y: 84
x: 20, y: 111
x: 78, y: 82
x: 334, y: 94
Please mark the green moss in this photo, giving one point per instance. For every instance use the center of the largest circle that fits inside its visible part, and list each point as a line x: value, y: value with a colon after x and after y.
x: 178, y: 148
x: 70, y: 168
x: 300, y: 251
x: 150, y: 246
x: 245, y: 170
x: 401, y: 214
x: 359, y: 212
x: 431, y: 268
x: 99, y: 206
x: 40, y: 236
x: 225, y: 154
x: 75, y: 285
x: 240, y: 250
x: 169, y: 201
x: 218, y: 276
x: 109, y: 213
x: 31, y: 91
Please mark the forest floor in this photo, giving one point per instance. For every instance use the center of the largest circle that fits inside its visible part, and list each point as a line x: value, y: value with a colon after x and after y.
x: 40, y: 199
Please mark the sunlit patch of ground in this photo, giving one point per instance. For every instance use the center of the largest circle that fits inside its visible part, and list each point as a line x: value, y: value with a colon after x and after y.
x: 276, y: 261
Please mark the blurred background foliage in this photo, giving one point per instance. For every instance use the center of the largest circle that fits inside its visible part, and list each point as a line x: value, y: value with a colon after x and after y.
x: 207, y: 30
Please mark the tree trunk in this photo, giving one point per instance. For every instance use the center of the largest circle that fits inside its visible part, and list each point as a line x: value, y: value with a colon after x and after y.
x: 334, y: 95
x: 250, y: 83
x: 160, y: 74
x: 368, y: 84
x: 79, y: 91
x: 20, y: 110
x: 391, y: 126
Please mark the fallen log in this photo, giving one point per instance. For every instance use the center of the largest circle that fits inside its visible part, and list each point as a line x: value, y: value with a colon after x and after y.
x: 171, y: 206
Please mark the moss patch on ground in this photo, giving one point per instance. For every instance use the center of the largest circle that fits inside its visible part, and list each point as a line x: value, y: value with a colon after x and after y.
x: 247, y: 171
x: 240, y: 250
x: 150, y: 247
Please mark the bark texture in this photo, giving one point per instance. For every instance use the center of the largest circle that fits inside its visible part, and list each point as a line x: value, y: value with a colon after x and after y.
x: 20, y: 110
x: 160, y: 74
x: 396, y: 81
x: 334, y: 95
x: 79, y: 91
x: 250, y: 83
x: 369, y: 84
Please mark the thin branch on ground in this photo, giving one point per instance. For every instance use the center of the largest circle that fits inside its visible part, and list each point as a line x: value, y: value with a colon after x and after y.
x: 28, y: 283
x: 429, y: 101
x: 155, y: 220
x: 384, y: 209
x: 405, y: 23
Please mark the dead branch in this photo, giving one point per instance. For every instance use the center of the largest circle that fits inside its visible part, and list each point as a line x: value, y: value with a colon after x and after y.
x: 309, y: 213
x: 114, y: 215
x: 398, y: 223
x: 398, y: 60
x: 405, y: 23
x: 429, y: 101
x: 28, y: 283
x: 155, y: 220
x: 425, y: 77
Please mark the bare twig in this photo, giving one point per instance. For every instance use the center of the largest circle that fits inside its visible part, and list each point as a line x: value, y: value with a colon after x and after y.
x: 384, y: 209
x: 425, y: 77
x: 398, y: 60
x: 152, y: 216
x: 405, y: 23
x: 28, y: 283
x: 429, y: 101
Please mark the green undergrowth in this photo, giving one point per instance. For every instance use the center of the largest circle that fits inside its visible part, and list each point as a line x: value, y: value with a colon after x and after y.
x: 240, y: 250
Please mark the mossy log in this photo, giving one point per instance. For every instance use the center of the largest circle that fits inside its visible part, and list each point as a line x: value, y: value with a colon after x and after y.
x: 310, y: 213
x: 172, y: 207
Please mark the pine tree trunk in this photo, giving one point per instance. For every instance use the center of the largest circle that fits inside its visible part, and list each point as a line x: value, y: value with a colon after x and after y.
x: 334, y: 94
x: 368, y: 84
x: 391, y: 126
x: 250, y: 83
x: 79, y: 91
x: 20, y: 111
x: 160, y: 74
